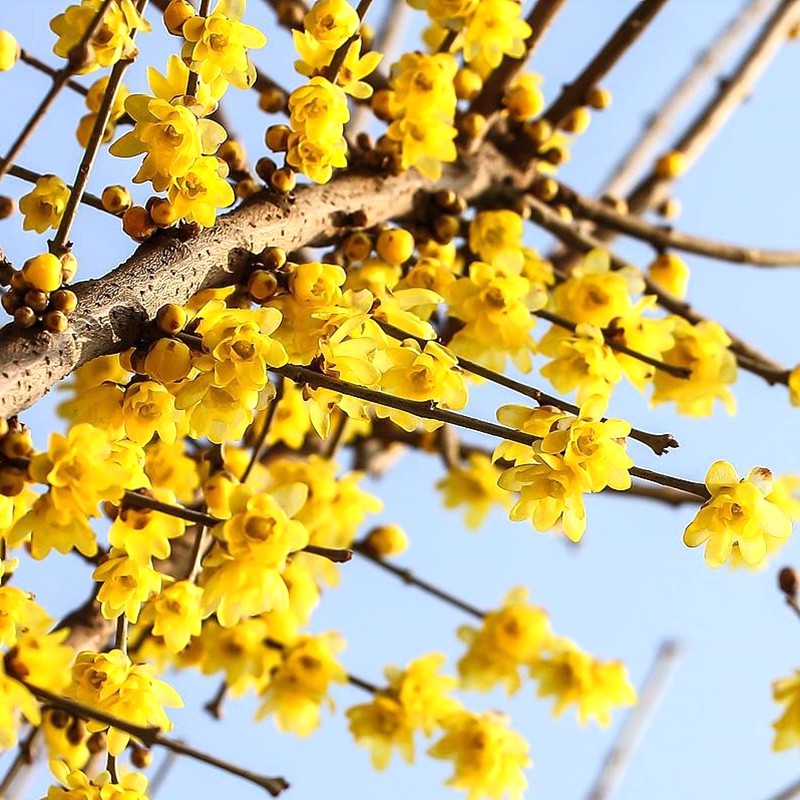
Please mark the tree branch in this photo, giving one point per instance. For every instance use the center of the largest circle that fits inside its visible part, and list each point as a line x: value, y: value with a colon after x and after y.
x: 113, y: 310
x: 574, y: 94
x: 732, y: 92
x: 681, y: 94
x: 663, y: 238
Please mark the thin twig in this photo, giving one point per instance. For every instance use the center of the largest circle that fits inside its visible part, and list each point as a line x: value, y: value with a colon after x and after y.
x: 22, y: 759
x: 151, y: 736
x: 660, y: 121
x: 630, y: 735
x: 162, y: 772
x: 574, y: 94
x: 264, y: 432
x: 74, y: 62
x: 734, y: 90
x: 789, y: 793
x: 194, y: 78
x: 32, y: 61
x: 120, y: 643
x: 409, y: 578
x: 663, y: 238
x: 60, y: 242
x: 138, y: 500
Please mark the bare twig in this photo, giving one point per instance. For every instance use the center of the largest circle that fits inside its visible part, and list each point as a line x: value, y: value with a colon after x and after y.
x: 635, y: 726
x: 574, y: 94
x: 681, y: 94
x: 666, y: 237
x: 75, y: 61
x: 409, y: 578
x: 736, y: 88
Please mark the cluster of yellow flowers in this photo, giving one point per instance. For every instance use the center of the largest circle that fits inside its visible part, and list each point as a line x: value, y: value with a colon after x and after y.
x: 488, y: 758
x: 518, y: 635
x: 318, y: 111
x: 422, y: 105
x: 171, y: 126
x: 574, y: 455
x: 112, y: 39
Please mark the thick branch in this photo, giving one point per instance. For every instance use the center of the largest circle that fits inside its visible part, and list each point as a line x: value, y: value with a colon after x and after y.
x: 113, y: 310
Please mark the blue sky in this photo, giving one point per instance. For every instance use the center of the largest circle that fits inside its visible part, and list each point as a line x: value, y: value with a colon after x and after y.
x: 631, y: 583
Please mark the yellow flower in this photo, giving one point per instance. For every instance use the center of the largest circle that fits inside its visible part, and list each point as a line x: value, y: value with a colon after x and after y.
x: 739, y: 513
x: 175, y: 614
x: 172, y: 87
x: 112, y: 39
x: 148, y: 409
x: 704, y: 349
x: 581, y: 360
x: 168, y: 467
x: 78, y: 786
x: 15, y: 702
x: 127, y: 583
x: 331, y: 22
x: 595, y: 293
x: 80, y: 470
x: 9, y: 50
x: 300, y: 684
x: 509, y: 638
x: 65, y: 742
x: 450, y: 13
x: 314, y: 284
x: 318, y: 110
x: 670, y: 272
x: 171, y: 137
x: 496, y: 309
x: 794, y: 386
x: 144, y: 533
x: 574, y: 677
x: 548, y: 494
x: 43, y: 206
x: 355, y: 68
x: 594, y: 449
x: 534, y: 421
x: 425, y: 144
x: 111, y: 683
x: 494, y: 30
x: 419, y: 375
x: 53, y: 527
x: 316, y: 160
x: 473, y: 486
x: 217, y: 45
x: 198, y: 194
x: 242, y: 576
x: 42, y: 659
x: 488, y: 758
x: 19, y: 613
x: 496, y: 238
x: 787, y: 728
x: 239, y: 344
x: 382, y: 725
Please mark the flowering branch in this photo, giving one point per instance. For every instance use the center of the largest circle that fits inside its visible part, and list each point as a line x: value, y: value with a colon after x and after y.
x: 30, y: 176
x: 659, y: 443
x: 150, y: 737
x: 60, y: 243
